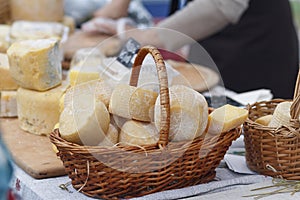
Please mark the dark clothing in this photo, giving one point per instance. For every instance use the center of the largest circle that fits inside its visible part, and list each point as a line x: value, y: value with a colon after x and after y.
x: 260, y: 51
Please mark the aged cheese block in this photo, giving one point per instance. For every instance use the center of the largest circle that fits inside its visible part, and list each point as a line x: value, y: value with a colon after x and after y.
x: 132, y: 103
x: 111, y: 137
x: 225, y: 118
x: 101, y: 91
x: 37, y: 10
x: 4, y: 37
x: 39, y: 111
x: 264, y: 120
x: 85, y: 121
x: 189, y: 113
x: 29, y: 30
x: 6, y: 80
x: 281, y: 115
x: 81, y: 74
x: 8, y: 106
x: 138, y: 133
x: 35, y: 64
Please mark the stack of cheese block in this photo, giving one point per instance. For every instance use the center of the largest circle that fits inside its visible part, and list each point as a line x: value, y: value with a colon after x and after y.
x: 8, y: 87
x: 280, y: 117
x: 35, y: 66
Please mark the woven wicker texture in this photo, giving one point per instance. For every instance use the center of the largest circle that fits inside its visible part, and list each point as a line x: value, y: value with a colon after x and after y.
x: 273, y: 151
x: 129, y: 171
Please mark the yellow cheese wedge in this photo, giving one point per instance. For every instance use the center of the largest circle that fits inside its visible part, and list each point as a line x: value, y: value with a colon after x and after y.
x: 38, y: 112
x: 35, y: 64
x: 4, y: 37
x: 85, y: 121
x: 111, y: 137
x: 264, y: 120
x: 189, y: 113
x: 81, y: 74
x: 281, y: 115
x: 37, y: 10
x: 225, y: 118
x: 6, y: 80
x: 132, y: 103
x: 8, y: 104
x: 54, y: 148
x: 138, y: 133
x: 101, y: 91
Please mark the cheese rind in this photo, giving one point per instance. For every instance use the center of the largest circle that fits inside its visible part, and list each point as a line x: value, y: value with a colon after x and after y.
x: 38, y: 112
x: 225, y: 118
x: 35, y: 64
x: 8, y: 104
x: 4, y: 35
x: 85, y: 121
x: 133, y: 103
x: 138, y: 133
x: 188, y: 113
x: 6, y: 80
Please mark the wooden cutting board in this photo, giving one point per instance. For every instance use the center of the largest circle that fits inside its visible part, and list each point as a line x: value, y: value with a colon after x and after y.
x: 32, y: 153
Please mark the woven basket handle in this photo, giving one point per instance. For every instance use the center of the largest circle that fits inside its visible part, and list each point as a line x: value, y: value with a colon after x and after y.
x: 163, y: 88
x: 295, y: 107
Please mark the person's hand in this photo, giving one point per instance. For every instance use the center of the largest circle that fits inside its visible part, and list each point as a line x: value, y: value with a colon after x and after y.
x: 100, y: 25
x: 114, y: 10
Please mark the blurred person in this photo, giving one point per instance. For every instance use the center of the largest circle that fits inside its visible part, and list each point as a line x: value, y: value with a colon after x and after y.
x: 253, y: 42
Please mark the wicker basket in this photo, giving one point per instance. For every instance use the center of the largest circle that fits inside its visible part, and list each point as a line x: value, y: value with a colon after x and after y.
x: 129, y: 171
x: 273, y: 151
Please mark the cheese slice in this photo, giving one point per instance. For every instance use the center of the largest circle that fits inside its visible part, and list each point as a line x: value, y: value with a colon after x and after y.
x: 6, y: 80
x: 138, y: 133
x: 189, y: 113
x: 225, y: 118
x: 111, y: 137
x: 81, y: 74
x: 264, y: 120
x: 35, y: 64
x: 133, y: 103
x: 281, y: 115
x: 85, y: 122
x: 4, y: 37
x: 38, y: 112
x: 8, y: 104
x: 37, y: 10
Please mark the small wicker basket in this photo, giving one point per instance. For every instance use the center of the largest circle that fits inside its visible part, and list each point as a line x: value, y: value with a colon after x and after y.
x: 273, y: 151
x: 128, y: 171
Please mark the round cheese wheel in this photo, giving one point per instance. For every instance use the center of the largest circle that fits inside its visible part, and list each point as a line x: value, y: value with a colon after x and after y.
x: 189, y: 113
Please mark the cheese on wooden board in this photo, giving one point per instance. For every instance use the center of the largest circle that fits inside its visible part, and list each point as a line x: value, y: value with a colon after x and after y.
x: 264, y: 120
x: 189, y: 113
x: 6, y: 80
x: 35, y: 64
x: 38, y: 112
x: 101, y: 91
x: 81, y: 74
x: 30, y: 30
x: 85, y: 122
x: 4, y: 35
x: 37, y: 10
x: 138, y: 133
x: 111, y: 137
x: 8, y: 106
x: 281, y: 115
x: 225, y: 118
x: 132, y: 102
